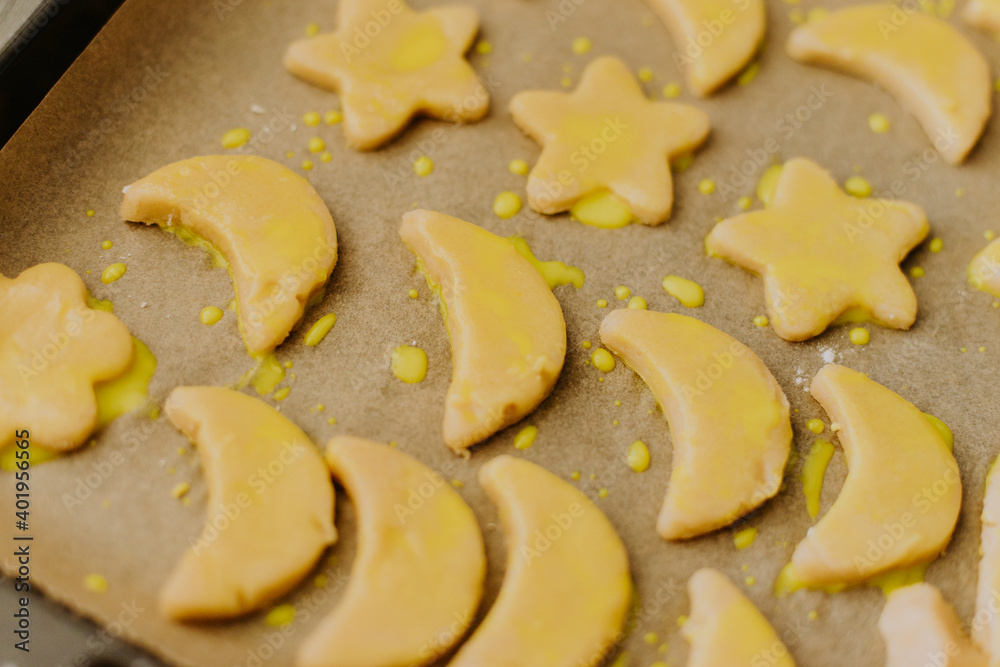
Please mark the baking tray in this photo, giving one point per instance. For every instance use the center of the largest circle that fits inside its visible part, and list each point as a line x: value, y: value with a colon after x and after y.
x: 164, y: 81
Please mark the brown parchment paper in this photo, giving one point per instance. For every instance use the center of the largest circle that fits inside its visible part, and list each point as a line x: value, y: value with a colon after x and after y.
x: 164, y: 80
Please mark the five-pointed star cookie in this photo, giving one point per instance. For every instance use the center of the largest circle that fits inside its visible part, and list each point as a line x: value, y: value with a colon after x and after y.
x: 823, y: 253
x: 390, y: 63
x: 606, y: 136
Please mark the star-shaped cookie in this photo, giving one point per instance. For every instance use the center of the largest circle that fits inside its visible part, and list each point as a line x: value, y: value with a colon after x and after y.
x: 823, y: 253
x: 390, y: 63
x: 606, y: 136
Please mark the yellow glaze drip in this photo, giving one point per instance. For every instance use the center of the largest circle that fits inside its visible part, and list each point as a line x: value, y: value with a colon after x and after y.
x: 525, y: 438
x: 235, y: 137
x: 128, y: 391
x: 744, y: 538
x: 860, y: 336
x: 602, y: 209
x: 638, y: 456
x: 816, y: 425
x: 423, y: 166
x: 37, y: 455
x: 320, y: 329
x: 768, y: 184
x: 99, y: 304
x: 113, y: 273
x: 789, y: 582
x: 124, y: 394
x: 265, y: 376
x: 211, y: 315
x: 813, y: 472
x: 280, y: 616
x: 603, y: 360
x: 688, y: 292
x: 409, y: 364
x: 519, y: 167
x: 637, y: 303
x: 556, y: 273
x: 95, y: 583
x: 506, y: 205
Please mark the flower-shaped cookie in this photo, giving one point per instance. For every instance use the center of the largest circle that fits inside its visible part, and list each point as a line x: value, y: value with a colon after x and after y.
x: 53, y: 350
x: 606, y: 136
x: 823, y: 253
x: 390, y: 63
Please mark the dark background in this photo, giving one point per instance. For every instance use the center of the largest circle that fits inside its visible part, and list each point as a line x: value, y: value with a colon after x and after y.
x: 41, y: 51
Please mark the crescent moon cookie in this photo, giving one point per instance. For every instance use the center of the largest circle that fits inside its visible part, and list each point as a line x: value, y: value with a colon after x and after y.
x: 508, y: 335
x: 928, y: 65
x: 266, y: 223
x: 715, y: 39
x: 728, y: 417
x: 53, y: 350
x: 567, y: 588
x: 606, y: 138
x: 280, y: 527
x: 900, y: 502
x: 390, y: 63
x: 920, y: 628
x: 726, y: 629
x: 419, y: 570
x: 823, y: 253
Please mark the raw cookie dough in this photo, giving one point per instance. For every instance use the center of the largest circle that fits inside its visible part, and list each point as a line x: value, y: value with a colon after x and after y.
x: 823, y: 253
x: 418, y: 574
x: 983, y: 14
x: 606, y: 136
x: 986, y: 623
x: 415, y: 64
x: 715, y: 39
x: 53, y: 350
x: 728, y: 417
x: 284, y: 520
x: 984, y: 270
x: 268, y: 223
x: 508, y: 336
x: 901, y: 498
x: 920, y: 629
x: 928, y: 65
x: 567, y: 588
x: 726, y: 629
